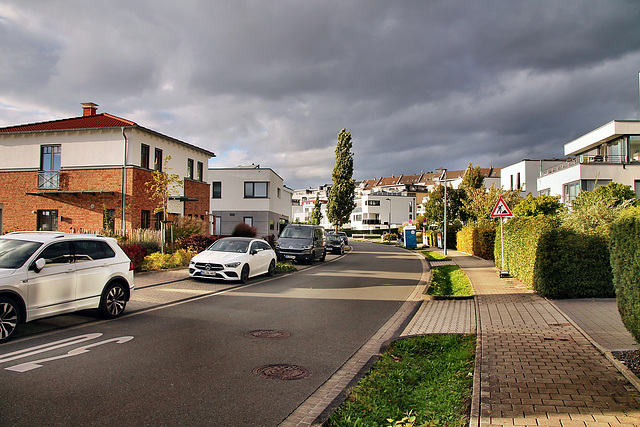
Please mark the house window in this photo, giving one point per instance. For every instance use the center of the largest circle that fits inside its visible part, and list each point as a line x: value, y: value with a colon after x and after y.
x: 50, y: 157
x: 373, y: 203
x: 190, y: 168
x: 248, y: 220
x: 109, y: 219
x: 216, y: 188
x: 592, y: 184
x: 218, y: 226
x: 158, y: 220
x: 518, y: 181
x: 634, y: 148
x: 636, y: 187
x: 157, y: 162
x: 48, y: 220
x: 199, y: 172
x: 570, y: 191
x: 256, y: 190
x: 144, y: 156
x: 511, y: 183
x: 145, y: 219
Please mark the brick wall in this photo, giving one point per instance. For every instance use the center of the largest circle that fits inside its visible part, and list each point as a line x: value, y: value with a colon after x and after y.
x: 201, y: 191
x: 77, y: 211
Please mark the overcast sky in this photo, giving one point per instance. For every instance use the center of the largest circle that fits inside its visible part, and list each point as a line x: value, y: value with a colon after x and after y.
x: 419, y: 84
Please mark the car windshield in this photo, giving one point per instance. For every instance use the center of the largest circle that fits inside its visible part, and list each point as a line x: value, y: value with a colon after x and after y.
x: 230, y: 245
x: 14, y: 253
x: 297, y: 232
x: 332, y: 238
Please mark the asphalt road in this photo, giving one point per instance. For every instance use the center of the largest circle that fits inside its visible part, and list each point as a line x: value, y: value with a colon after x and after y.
x: 194, y: 362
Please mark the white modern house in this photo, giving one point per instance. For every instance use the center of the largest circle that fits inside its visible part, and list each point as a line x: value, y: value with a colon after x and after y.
x: 609, y: 153
x: 524, y: 175
x: 250, y: 194
x: 303, y: 203
x: 383, y: 210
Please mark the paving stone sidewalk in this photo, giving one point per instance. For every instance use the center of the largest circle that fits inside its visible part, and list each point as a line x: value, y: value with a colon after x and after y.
x: 534, y: 367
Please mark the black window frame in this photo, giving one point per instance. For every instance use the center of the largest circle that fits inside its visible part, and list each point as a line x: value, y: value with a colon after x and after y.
x: 199, y: 171
x: 144, y: 156
x: 216, y: 190
x: 190, y: 168
x: 145, y: 219
x: 157, y: 160
x: 251, y: 186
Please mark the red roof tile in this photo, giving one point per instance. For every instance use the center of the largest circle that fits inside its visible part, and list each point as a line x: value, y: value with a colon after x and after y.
x: 103, y: 120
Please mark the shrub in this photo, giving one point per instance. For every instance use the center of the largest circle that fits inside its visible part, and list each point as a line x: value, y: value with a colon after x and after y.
x: 271, y: 240
x: 569, y: 264
x: 185, y: 227
x: 625, y: 262
x: 199, y: 242
x: 158, y: 261
x: 136, y: 254
x: 476, y: 241
x: 244, y: 230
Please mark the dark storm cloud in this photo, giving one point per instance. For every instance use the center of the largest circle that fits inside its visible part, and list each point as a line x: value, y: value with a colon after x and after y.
x: 419, y: 84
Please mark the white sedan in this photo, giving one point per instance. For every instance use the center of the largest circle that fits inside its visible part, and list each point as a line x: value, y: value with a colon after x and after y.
x: 234, y: 258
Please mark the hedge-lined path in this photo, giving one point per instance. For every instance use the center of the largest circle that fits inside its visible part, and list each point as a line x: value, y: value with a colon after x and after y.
x: 533, y: 366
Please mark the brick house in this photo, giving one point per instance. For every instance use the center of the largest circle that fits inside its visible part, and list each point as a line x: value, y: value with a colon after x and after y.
x: 90, y: 172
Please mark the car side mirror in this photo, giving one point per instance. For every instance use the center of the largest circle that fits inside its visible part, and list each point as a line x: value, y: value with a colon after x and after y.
x: 254, y: 251
x: 39, y: 265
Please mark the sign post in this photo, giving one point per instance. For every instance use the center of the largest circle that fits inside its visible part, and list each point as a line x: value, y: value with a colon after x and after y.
x: 501, y: 210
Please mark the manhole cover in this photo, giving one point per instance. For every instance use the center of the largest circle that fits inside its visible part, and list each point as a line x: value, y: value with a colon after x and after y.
x: 282, y: 372
x: 269, y: 333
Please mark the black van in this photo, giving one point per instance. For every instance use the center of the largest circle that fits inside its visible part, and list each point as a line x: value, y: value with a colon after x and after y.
x: 302, y: 243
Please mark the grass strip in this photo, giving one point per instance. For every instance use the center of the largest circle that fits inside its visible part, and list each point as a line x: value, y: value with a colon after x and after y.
x: 435, y: 256
x: 449, y: 281
x: 429, y: 377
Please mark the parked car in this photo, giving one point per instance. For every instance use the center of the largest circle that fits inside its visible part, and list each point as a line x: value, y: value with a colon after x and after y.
x: 301, y: 243
x: 335, y: 244
x: 343, y: 235
x: 234, y: 258
x: 49, y: 273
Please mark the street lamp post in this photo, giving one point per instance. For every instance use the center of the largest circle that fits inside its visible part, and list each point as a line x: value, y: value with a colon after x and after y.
x: 443, y: 178
x: 389, y: 223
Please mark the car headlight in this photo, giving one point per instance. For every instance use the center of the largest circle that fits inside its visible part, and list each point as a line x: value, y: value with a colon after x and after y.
x: 232, y: 264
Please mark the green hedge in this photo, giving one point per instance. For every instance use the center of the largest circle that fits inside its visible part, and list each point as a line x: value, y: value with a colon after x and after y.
x: 521, y: 237
x: 569, y: 264
x: 557, y: 262
x: 625, y: 263
x: 477, y: 241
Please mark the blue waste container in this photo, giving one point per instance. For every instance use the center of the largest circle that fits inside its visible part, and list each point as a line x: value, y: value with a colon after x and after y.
x: 410, y: 239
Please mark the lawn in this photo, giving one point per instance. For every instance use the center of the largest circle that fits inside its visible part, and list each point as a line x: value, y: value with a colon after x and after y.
x: 449, y: 281
x: 435, y: 256
x: 429, y: 377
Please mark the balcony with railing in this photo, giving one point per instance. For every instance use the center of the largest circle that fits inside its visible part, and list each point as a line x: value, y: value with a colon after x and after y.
x: 48, y: 180
x: 586, y: 159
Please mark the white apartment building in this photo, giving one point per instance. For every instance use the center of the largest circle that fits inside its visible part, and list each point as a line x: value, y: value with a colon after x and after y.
x: 524, y: 175
x: 250, y: 194
x: 303, y: 202
x: 383, y: 210
x: 610, y: 153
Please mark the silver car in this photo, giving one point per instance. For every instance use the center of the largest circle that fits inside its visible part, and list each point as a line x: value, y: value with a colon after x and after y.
x: 49, y: 273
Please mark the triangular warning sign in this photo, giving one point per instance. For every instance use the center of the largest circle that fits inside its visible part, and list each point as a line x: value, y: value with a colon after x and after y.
x: 501, y: 210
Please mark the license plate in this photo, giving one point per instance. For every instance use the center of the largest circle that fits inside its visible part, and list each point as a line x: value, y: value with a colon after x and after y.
x: 209, y: 273
x: 289, y: 257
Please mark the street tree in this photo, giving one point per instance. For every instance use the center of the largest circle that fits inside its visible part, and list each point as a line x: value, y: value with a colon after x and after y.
x: 316, y: 213
x: 342, y: 193
x: 161, y: 188
x: 540, y: 205
x: 473, y: 178
x: 434, y: 206
x: 480, y: 202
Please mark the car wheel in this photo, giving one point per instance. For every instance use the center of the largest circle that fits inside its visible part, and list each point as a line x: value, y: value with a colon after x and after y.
x: 244, y: 274
x: 9, y: 318
x: 272, y: 268
x: 113, y: 301
x: 324, y: 256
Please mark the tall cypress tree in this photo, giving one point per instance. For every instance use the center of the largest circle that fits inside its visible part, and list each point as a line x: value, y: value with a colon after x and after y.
x: 316, y: 213
x: 342, y: 193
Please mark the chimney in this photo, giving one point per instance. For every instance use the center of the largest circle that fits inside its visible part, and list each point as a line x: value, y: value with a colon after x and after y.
x: 89, y: 109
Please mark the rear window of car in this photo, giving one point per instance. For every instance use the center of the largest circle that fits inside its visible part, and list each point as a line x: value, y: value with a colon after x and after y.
x: 89, y: 250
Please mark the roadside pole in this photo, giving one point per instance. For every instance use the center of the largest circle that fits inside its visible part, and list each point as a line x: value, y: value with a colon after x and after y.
x: 502, y: 211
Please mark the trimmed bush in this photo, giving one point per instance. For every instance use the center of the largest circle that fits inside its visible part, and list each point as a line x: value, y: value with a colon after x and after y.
x: 624, y: 247
x: 136, y: 254
x: 199, y: 242
x: 569, y: 264
x: 476, y: 241
x: 244, y: 230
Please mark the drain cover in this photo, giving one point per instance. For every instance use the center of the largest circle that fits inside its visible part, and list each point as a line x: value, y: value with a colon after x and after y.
x: 282, y: 372
x: 268, y: 333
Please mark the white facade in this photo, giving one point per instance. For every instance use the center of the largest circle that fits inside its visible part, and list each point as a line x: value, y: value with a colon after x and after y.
x: 524, y: 175
x: 380, y: 211
x: 609, y: 153
x: 303, y: 202
x: 250, y: 194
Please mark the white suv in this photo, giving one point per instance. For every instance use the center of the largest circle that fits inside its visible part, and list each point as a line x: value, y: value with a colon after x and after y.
x: 47, y: 273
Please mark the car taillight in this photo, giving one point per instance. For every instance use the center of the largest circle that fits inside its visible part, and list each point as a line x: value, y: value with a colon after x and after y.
x: 130, y: 265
